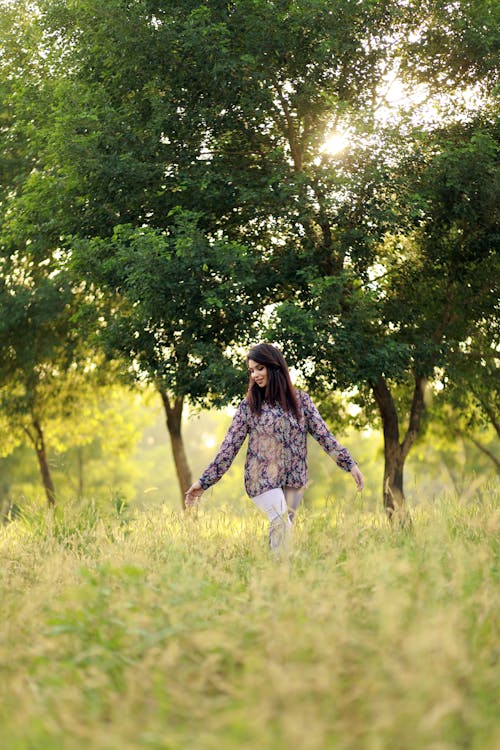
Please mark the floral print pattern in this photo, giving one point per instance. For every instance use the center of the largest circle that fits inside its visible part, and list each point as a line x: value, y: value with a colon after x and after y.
x: 277, y: 446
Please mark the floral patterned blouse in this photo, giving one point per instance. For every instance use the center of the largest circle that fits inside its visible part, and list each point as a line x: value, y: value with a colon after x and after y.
x: 277, y: 446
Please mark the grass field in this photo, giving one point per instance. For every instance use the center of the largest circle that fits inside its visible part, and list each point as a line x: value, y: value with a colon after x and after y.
x: 123, y: 630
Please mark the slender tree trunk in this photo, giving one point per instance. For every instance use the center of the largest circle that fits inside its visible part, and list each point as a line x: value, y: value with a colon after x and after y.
x: 393, y: 493
x: 392, y: 489
x: 41, y: 454
x: 395, y: 451
x: 5, y: 501
x: 173, y: 411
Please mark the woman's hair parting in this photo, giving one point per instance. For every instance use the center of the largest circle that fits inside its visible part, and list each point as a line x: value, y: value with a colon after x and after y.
x: 279, y: 388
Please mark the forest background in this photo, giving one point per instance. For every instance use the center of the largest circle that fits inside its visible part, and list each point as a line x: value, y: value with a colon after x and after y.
x: 181, y: 179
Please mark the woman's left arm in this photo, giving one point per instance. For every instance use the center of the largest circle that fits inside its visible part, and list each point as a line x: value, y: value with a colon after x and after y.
x: 318, y: 428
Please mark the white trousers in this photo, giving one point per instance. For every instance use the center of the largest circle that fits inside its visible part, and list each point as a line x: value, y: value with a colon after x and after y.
x: 279, y: 505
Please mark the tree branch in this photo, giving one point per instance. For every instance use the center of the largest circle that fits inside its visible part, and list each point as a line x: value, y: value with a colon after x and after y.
x: 416, y: 411
x: 484, y: 450
x: 30, y: 436
x: 489, y: 411
x: 387, y: 409
x: 291, y: 134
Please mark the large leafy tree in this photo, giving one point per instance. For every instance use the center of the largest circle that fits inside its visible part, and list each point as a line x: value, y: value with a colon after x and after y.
x: 413, y: 317
x: 175, y: 297
x: 222, y: 109
x: 179, y: 302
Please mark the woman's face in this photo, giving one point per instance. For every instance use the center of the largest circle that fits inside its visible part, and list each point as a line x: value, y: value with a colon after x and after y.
x: 258, y: 373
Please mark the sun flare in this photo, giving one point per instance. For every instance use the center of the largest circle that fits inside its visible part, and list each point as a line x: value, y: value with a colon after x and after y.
x: 335, y: 143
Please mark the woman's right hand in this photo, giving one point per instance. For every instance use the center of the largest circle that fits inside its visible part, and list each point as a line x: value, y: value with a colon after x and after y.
x: 193, y: 493
x: 358, y: 477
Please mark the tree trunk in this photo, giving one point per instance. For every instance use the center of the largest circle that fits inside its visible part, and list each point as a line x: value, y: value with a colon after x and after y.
x: 393, y: 493
x: 174, y: 420
x: 41, y: 454
x: 396, y: 452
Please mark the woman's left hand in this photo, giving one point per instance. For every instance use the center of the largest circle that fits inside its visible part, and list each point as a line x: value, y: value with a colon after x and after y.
x: 358, y: 477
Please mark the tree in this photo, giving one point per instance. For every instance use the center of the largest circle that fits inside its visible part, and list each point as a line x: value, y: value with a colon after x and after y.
x: 104, y: 158
x: 181, y: 302
x: 389, y: 334
x: 46, y: 365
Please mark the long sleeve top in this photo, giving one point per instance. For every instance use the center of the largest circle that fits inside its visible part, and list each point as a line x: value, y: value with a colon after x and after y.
x: 277, y: 446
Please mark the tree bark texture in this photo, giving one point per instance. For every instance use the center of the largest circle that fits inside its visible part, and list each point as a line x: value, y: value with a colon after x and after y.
x: 396, y: 451
x: 173, y: 411
x: 41, y: 454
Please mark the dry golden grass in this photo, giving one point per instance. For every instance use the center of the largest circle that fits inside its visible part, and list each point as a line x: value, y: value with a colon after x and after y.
x: 153, y: 630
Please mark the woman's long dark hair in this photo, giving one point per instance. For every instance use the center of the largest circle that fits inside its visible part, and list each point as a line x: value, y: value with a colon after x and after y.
x: 279, y: 388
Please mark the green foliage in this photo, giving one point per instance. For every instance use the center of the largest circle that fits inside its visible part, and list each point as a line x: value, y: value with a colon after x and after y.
x: 55, y: 391
x: 44, y: 359
x: 462, y: 38
x: 92, y: 454
x: 433, y: 284
x: 172, y: 152
x: 184, y: 300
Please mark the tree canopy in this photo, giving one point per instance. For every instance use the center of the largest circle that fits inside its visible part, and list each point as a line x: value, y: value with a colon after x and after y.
x: 171, y: 160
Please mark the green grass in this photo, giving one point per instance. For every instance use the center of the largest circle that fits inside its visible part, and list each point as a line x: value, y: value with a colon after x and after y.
x: 126, y: 630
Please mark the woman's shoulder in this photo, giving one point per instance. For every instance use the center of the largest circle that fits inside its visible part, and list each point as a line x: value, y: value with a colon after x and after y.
x: 303, y: 397
x: 242, y: 412
x: 243, y: 407
x: 305, y: 401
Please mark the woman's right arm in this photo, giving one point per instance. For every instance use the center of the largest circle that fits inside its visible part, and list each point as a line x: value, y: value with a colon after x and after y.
x: 231, y: 444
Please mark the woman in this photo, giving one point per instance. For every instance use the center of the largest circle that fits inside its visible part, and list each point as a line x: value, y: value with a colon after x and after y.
x: 276, y: 418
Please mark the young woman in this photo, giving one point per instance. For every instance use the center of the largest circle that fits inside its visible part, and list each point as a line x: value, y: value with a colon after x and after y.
x: 276, y: 418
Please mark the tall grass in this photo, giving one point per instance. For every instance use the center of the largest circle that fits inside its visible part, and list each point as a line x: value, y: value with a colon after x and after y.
x: 125, y: 630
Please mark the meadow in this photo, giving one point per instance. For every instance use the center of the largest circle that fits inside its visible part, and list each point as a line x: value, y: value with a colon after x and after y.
x: 124, y: 629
